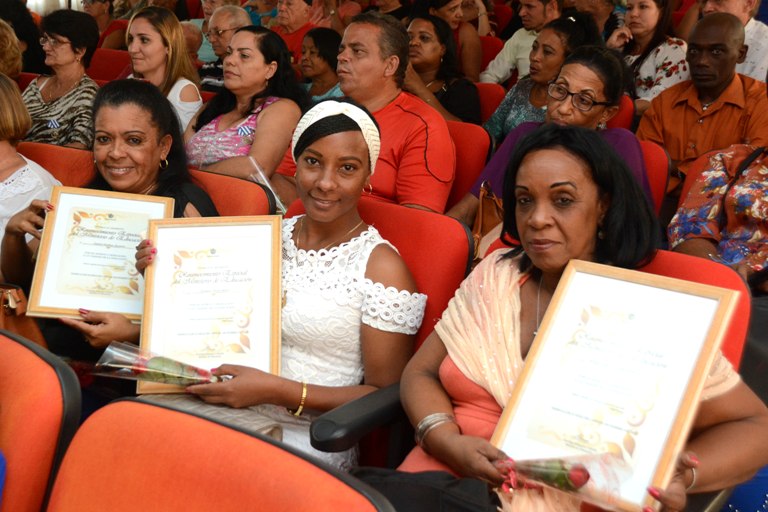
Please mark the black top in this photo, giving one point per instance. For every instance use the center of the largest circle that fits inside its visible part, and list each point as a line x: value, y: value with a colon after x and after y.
x: 460, y: 97
x: 212, y: 76
x: 191, y: 193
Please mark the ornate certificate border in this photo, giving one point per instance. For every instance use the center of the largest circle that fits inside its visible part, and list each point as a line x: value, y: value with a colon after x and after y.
x: 213, y: 293
x: 87, y: 252
x: 614, y: 378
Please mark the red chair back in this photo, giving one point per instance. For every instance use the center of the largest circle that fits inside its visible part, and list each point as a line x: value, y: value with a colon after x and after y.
x: 132, y: 455
x: 657, y: 164
x: 491, y: 96
x: 504, y: 15
x: 702, y: 270
x: 234, y: 196
x: 114, y: 26
x: 491, y: 46
x: 108, y: 64
x: 437, y: 250
x: 72, y: 167
x: 40, y: 411
x: 625, y: 115
x: 207, y: 96
x: 195, y: 9
x: 25, y: 79
x: 472, y: 144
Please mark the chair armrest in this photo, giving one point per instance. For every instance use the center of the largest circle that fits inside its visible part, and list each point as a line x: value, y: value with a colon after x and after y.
x: 341, y: 428
x: 708, y: 502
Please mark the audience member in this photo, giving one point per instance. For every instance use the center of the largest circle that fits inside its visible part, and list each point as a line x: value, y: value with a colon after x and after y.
x: 527, y: 99
x: 567, y: 196
x: 159, y: 55
x: 262, y: 12
x: 128, y: 8
x: 433, y: 74
x: 755, y: 64
x: 249, y: 124
x: 717, y: 107
x: 475, y: 12
x: 586, y: 93
x: 468, y: 47
x: 318, y: 64
x: 515, y: 53
x: 60, y: 105
x: 16, y: 14
x: 417, y: 160
x: 607, y: 17
x: 111, y: 34
x: 193, y: 39
x: 335, y: 14
x: 10, y: 52
x: 656, y: 59
x: 400, y: 10
x: 223, y: 23
x: 293, y: 24
x: 350, y: 305
x: 21, y: 179
x: 177, y: 7
x: 207, y: 54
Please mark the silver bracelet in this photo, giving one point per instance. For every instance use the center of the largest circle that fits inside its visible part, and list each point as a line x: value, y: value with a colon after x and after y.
x: 693, y: 480
x: 429, y: 423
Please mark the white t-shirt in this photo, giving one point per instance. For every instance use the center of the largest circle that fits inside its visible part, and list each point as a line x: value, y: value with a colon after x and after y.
x: 756, y: 63
x: 515, y: 55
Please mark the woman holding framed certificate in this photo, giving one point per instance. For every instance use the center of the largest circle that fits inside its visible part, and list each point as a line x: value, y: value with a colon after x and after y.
x: 137, y: 150
x: 567, y: 196
x: 350, y: 307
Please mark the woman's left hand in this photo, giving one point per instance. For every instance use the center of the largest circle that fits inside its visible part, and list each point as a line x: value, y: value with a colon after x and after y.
x: 674, y: 497
x: 413, y: 82
x: 100, y: 329
x: 247, y: 387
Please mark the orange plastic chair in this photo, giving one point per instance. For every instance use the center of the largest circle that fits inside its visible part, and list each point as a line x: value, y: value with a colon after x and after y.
x: 491, y: 46
x: 702, y: 270
x: 491, y: 96
x: 625, y: 115
x: 473, y: 145
x: 40, y: 398
x: 72, y: 167
x: 108, y: 64
x: 233, y: 196
x: 657, y: 165
x: 132, y: 455
x: 24, y: 79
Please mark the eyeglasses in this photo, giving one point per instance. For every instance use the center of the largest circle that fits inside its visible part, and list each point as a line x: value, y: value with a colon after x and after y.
x: 54, y: 43
x: 580, y: 101
x: 217, y: 32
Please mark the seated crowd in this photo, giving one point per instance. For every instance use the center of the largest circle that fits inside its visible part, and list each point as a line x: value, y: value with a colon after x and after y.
x: 328, y: 101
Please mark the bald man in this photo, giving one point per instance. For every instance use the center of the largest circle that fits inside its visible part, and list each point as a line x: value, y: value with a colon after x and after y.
x: 222, y: 25
x: 717, y: 107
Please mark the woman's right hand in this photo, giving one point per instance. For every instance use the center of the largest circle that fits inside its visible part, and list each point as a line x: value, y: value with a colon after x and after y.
x: 469, y: 456
x: 620, y: 37
x: 30, y: 220
x: 145, y: 254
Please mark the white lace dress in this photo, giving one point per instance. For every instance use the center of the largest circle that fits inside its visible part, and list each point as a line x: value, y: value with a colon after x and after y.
x: 327, y: 298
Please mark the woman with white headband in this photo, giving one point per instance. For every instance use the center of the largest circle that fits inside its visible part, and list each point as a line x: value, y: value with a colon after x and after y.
x: 350, y: 308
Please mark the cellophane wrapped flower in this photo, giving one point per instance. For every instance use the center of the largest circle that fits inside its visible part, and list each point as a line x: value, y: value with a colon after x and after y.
x: 126, y: 361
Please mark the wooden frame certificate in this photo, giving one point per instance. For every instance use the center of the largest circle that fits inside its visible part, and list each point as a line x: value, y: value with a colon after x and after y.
x: 614, y: 377
x: 87, y: 252
x: 213, y: 293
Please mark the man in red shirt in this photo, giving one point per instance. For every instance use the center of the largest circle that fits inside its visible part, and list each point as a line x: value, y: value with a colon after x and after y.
x: 293, y: 24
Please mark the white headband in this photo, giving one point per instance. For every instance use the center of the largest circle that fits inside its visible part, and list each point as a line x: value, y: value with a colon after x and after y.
x: 332, y: 108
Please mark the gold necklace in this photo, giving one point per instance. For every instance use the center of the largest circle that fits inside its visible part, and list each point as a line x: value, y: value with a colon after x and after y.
x: 301, y: 227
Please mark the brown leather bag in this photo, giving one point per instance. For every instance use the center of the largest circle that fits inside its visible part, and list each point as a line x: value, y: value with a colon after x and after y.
x: 490, y: 213
x: 13, y: 316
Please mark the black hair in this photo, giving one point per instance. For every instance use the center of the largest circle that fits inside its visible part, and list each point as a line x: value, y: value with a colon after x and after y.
x: 607, y: 65
x: 18, y: 16
x: 576, y: 29
x: 393, y: 39
x: 327, y: 42
x: 283, y: 83
x: 80, y: 28
x: 660, y: 33
x: 149, y: 98
x: 328, y: 126
x: 630, y: 228
x: 449, y: 66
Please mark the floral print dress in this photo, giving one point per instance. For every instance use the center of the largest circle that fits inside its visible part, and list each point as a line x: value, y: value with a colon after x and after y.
x: 664, y: 67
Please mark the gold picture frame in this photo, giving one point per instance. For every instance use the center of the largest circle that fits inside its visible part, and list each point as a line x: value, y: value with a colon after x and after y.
x: 86, y: 257
x: 213, y: 293
x: 614, y: 377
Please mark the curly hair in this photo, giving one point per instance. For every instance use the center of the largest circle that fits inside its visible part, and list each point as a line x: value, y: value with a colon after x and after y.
x: 10, y: 53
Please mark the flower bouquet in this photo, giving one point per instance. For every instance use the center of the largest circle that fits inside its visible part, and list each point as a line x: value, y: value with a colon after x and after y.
x: 126, y: 361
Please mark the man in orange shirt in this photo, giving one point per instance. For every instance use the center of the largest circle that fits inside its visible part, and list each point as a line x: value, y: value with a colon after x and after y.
x: 717, y: 107
x: 417, y: 160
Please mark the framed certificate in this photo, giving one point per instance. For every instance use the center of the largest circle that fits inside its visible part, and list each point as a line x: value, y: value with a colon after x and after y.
x: 213, y: 293
x: 87, y: 252
x: 613, y: 378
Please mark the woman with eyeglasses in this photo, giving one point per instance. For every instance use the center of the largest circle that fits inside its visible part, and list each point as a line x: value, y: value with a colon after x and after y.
x: 111, y: 32
x: 586, y: 93
x: 206, y: 53
x: 60, y: 104
x: 159, y: 56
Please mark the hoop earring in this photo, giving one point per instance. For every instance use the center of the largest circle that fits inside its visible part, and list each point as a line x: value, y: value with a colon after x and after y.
x: 369, y: 191
x: 164, y: 164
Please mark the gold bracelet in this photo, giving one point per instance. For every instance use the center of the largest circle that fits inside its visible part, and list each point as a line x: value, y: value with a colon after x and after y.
x: 297, y: 412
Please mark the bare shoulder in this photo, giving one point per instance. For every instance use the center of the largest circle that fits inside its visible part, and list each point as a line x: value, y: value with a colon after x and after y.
x: 190, y: 93
x: 387, y: 267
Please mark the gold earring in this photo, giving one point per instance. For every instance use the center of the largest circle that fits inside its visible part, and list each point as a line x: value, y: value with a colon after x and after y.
x: 164, y: 163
